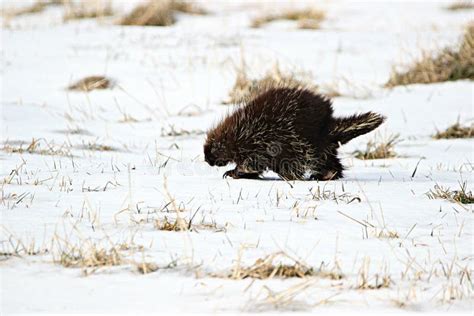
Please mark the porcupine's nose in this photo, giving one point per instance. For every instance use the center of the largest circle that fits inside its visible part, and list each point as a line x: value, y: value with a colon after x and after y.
x: 211, y: 162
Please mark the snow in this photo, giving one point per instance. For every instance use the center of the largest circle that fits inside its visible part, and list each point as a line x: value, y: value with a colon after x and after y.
x: 177, y: 77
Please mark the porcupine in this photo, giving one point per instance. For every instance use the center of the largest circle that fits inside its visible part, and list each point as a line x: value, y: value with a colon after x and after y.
x: 291, y: 131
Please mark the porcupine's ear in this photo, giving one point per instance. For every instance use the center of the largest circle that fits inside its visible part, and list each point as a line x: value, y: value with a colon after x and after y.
x: 342, y: 130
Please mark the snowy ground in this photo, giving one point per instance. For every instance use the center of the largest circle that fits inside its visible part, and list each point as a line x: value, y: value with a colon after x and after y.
x: 175, y: 78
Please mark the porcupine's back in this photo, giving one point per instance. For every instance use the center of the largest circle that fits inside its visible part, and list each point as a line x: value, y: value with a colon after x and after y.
x: 284, y: 114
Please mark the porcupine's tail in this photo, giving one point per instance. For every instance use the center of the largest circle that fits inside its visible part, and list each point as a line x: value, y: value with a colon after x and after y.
x: 342, y: 130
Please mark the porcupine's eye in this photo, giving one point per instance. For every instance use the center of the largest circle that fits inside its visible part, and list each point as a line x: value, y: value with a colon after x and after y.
x: 214, y: 155
x: 218, y: 153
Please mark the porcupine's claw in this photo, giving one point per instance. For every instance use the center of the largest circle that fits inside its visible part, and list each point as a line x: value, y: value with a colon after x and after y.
x: 229, y: 173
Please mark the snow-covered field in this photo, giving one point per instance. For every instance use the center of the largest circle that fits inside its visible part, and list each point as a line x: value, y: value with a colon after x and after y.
x: 110, y: 166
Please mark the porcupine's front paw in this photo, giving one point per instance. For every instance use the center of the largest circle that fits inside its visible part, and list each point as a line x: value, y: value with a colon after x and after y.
x: 231, y: 173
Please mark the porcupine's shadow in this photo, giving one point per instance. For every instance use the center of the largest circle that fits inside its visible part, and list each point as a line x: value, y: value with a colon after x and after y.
x: 350, y: 178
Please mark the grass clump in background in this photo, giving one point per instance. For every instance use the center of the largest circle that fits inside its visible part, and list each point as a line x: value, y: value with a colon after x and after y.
x: 461, y: 5
x: 308, y: 18
x: 37, y: 146
x: 244, y: 87
x: 455, y: 131
x: 91, y: 83
x: 265, y: 268
x: 448, y: 65
x: 269, y: 267
x: 87, y: 10
x: 177, y: 225
x: 36, y: 7
x: 89, y: 255
x: 462, y: 195
x: 378, y: 149
x: 181, y: 224
x: 94, y: 146
x: 159, y: 13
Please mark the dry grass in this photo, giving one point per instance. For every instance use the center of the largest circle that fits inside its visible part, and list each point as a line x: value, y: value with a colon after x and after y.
x: 187, y: 7
x: 308, y: 18
x: 91, y: 83
x: 181, y: 224
x: 385, y: 234
x: 93, y: 146
x: 36, y: 7
x: 461, y: 5
x: 345, y: 87
x: 455, y: 131
x: 448, y: 65
x: 89, y: 9
x: 364, y: 282
x: 13, y: 246
x: 244, y: 87
x: 147, y: 267
x: 462, y: 195
x: 321, y: 194
x: 89, y: 256
x: 175, y: 132
x: 36, y: 146
x: 265, y: 268
x: 159, y: 13
x: 268, y: 268
x: 378, y: 149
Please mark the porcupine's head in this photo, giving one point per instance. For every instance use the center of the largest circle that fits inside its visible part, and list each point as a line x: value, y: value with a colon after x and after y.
x: 216, y: 151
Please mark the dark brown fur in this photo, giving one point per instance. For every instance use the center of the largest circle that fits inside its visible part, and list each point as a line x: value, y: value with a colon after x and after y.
x: 290, y: 131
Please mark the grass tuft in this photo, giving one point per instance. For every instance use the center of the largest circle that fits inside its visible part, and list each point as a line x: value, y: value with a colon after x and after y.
x: 91, y: 83
x: 181, y: 224
x: 147, y: 267
x: 87, y: 10
x: 244, y: 87
x: 378, y: 150
x: 461, y: 5
x: 187, y: 7
x: 93, y: 146
x: 462, y: 195
x: 364, y: 282
x: 36, y: 7
x: 455, y: 131
x: 308, y: 18
x: 36, y: 146
x: 267, y: 268
x: 90, y: 256
x: 159, y: 13
x: 448, y: 65
x: 172, y: 131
